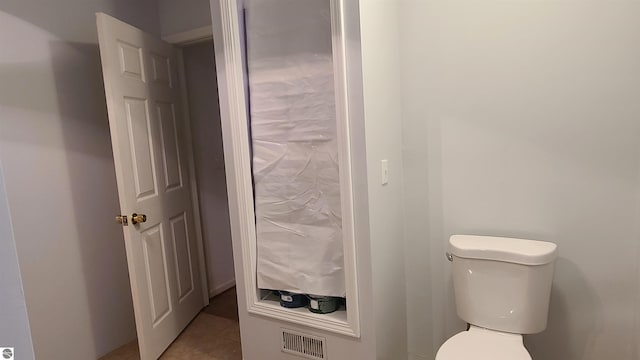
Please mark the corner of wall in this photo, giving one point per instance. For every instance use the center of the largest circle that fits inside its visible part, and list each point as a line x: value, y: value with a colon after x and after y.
x: 383, y: 111
x: 14, y: 330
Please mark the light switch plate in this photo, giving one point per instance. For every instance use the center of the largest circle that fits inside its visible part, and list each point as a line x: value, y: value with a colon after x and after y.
x: 384, y: 172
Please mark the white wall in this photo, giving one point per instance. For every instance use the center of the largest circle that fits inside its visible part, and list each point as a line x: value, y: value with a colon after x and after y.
x: 177, y: 16
x: 383, y: 131
x: 522, y: 119
x: 204, y: 113
x: 59, y: 172
x: 14, y: 327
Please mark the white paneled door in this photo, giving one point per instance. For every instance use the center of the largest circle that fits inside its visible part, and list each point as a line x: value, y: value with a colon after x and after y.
x: 149, y: 135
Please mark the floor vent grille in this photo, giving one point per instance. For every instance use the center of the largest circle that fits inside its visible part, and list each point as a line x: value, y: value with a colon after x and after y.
x: 308, y: 346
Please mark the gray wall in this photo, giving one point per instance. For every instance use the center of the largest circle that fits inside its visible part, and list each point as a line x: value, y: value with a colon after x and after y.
x: 59, y: 172
x: 177, y: 16
x: 522, y: 119
x: 204, y: 113
x: 14, y: 326
x: 382, y: 90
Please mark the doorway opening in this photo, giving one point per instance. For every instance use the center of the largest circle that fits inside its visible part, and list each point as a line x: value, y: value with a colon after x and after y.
x: 214, y: 332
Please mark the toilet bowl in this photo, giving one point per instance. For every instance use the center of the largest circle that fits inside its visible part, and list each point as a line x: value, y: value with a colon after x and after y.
x: 483, y: 344
x: 502, y: 288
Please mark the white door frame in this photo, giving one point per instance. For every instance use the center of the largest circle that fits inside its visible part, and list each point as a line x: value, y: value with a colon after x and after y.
x: 229, y: 47
x: 193, y: 36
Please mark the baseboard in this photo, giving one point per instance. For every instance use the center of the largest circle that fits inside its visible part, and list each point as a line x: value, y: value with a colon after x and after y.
x: 222, y: 288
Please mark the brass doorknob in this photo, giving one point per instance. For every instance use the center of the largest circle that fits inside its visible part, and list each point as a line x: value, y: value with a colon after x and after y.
x: 138, y: 218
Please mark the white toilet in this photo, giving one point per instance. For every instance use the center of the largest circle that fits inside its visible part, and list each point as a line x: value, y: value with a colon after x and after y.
x: 502, y: 288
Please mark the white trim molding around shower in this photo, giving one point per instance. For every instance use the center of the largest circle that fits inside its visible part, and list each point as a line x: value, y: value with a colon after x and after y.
x: 232, y: 83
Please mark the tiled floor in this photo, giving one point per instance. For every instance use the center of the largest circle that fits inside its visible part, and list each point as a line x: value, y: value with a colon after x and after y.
x: 213, y: 335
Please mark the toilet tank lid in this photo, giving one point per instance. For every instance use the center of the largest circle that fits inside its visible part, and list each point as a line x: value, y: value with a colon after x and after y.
x: 519, y: 251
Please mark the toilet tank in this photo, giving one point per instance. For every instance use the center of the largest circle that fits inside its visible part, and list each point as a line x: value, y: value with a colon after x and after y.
x: 502, y: 284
